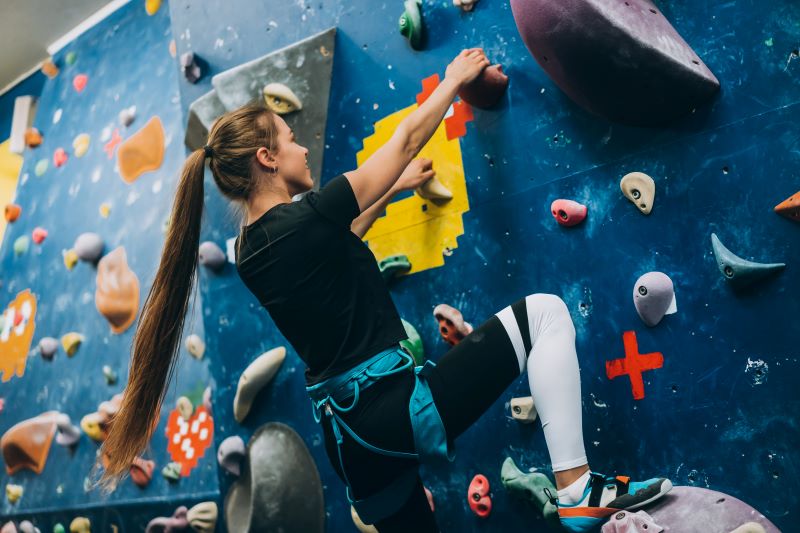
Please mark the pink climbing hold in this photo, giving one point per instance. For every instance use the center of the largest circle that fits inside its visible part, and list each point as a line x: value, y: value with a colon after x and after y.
x: 60, y: 157
x: 628, y: 522
x: 39, y: 235
x: 568, y: 212
x: 429, y: 495
x: 478, y: 496
x: 79, y: 82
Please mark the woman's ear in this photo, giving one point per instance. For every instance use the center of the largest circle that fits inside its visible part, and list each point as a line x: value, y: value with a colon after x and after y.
x: 265, y: 159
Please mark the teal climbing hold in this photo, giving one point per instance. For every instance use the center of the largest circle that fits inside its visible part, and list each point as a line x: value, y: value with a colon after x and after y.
x: 58, y: 528
x: 531, y: 486
x: 740, y: 272
x: 394, y: 265
x: 413, y: 344
x: 41, y: 167
x: 411, y: 23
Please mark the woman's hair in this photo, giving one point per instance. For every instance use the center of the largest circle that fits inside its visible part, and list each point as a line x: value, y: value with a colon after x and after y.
x: 232, y: 144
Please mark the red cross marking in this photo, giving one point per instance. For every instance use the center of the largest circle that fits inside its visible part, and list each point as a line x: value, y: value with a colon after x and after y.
x: 633, y: 364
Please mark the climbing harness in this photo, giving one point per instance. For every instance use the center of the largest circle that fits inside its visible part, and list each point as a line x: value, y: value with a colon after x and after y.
x: 430, y: 439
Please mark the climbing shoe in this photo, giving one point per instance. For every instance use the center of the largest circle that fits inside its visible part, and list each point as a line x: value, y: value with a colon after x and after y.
x: 604, y: 496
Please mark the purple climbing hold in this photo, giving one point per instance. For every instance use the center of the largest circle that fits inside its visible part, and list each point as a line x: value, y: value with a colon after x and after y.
x: 487, y: 89
x: 68, y: 433
x: 654, y: 297
x: 48, y: 346
x: 177, y: 522
x: 621, y: 60
x: 191, y: 70
x: 212, y: 256
x: 628, y: 522
x: 230, y: 454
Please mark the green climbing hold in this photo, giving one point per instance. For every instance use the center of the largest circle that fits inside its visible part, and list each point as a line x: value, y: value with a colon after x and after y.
x: 172, y: 471
x: 411, y: 23
x: 393, y: 266
x: 41, y: 167
x: 58, y: 528
x: 21, y: 245
x: 531, y: 487
x: 70, y: 58
x: 413, y: 344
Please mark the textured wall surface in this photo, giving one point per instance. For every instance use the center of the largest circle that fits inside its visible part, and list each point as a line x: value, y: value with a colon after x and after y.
x: 722, y: 169
x: 127, y: 61
x: 705, y: 420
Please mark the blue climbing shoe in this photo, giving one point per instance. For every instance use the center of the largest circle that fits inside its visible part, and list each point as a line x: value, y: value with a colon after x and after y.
x: 604, y: 496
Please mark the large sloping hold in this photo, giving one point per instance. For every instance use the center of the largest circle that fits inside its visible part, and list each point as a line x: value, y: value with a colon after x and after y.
x: 621, y: 60
x: 304, y: 68
x: 280, y: 487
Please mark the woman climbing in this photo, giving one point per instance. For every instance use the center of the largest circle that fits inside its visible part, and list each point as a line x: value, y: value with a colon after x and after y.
x: 306, y: 263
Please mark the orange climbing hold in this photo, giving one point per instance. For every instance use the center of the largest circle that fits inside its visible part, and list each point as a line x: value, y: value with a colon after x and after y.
x: 49, y: 69
x: 790, y: 208
x: 16, y: 344
x: 12, y: 212
x: 26, y: 444
x: 117, y: 294
x: 187, y: 440
x: 32, y: 137
x: 142, y: 152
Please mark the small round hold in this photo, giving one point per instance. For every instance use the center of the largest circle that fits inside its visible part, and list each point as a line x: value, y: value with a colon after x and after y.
x: 212, y: 256
x: 190, y: 67
x: 33, y: 137
x: 48, y: 346
x: 71, y: 342
x: 26, y: 526
x: 230, y: 453
x: 172, y: 472
x: 640, y: 189
x: 60, y: 157
x: 38, y: 235
x: 184, y: 407
x: 127, y: 116
x: 195, y: 346
x: 465, y: 5
x: 14, y: 492
x: 568, y: 212
x: 12, y: 212
x: 487, y: 89
x: 21, y: 245
x: 79, y: 82
x: 70, y: 258
x: 80, y: 145
x: 68, y: 433
x: 89, y: 247
x: 653, y: 296
x: 109, y: 375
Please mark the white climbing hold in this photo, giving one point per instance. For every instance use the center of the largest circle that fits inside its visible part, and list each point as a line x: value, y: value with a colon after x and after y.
x: 254, y: 378
x: 281, y: 99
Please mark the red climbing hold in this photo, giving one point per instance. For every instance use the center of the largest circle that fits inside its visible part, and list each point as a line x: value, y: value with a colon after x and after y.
x: 452, y: 326
x: 478, y: 496
x: 634, y: 364
x: 568, y: 212
x: 60, y: 157
x: 111, y: 145
x: 79, y: 82
x: 39, y: 235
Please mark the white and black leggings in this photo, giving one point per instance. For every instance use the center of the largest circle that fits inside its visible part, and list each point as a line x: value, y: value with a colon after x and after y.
x: 534, y: 334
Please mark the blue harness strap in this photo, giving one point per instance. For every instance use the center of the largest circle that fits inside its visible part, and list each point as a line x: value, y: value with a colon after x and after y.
x: 429, y: 434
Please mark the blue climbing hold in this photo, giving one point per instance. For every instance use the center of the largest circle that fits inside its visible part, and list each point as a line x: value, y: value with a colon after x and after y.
x: 740, y: 272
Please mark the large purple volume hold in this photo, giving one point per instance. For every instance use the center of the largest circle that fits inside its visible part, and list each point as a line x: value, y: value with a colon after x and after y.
x: 621, y: 60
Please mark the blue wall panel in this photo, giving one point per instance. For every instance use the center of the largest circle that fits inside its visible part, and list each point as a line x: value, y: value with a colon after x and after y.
x: 703, y: 422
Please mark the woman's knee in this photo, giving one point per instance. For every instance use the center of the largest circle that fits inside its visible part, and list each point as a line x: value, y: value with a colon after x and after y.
x: 546, y: 303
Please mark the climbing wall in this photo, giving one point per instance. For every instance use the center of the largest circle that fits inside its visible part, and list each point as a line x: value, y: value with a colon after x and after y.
x: 719, y: 412
x: 124, y: 61
x: 713, y: 415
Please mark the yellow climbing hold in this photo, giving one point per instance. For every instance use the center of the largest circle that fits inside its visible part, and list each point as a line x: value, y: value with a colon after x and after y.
x: 105, y: 209
x: 423, y: 229
x: 80, y: 524
x: 71, y: 341
x: 151, y: 6
x: 13, y: 492
x: 81, y: 145
x: 142, y: 152
x: 70, y: 258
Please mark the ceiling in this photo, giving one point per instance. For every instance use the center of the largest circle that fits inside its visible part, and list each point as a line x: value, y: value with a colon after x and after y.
x: 28, y: 27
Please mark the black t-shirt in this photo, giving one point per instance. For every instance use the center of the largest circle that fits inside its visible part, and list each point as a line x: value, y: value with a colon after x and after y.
x: 319, y: 282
